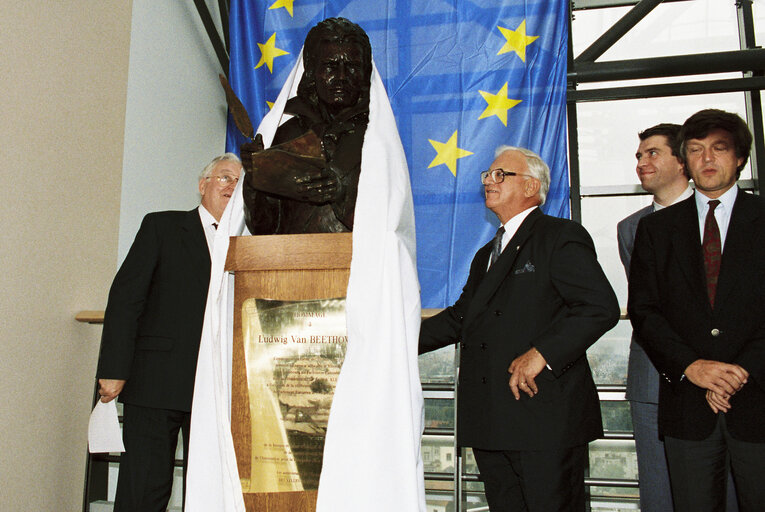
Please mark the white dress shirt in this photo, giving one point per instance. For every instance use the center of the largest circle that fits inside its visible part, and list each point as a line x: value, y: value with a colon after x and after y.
x: 722, y: 212
x: 688, y: 192
x: 513, y: 224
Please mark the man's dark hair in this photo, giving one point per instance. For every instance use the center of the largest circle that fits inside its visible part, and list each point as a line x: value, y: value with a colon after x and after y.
x: 333, y: 30
x: 669, y: 131
x: 701, y: 123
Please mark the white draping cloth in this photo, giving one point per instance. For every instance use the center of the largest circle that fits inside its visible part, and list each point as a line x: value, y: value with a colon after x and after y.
x: 372, y: 458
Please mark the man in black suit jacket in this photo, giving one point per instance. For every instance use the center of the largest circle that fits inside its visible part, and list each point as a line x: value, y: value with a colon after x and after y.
x: 543, y: 300
x: 152, y: 329
x: 697, y: 303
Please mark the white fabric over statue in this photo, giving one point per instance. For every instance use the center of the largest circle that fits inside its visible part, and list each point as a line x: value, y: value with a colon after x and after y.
x: 372, y: 458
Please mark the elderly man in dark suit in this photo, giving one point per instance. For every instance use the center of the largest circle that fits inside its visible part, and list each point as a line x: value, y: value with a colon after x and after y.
x: 697, y: 304
x: 535, y: 299
x: 661, y: 173
x: 152, y: 329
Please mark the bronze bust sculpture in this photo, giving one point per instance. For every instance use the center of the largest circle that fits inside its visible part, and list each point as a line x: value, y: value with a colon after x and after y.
x: 307, y: 181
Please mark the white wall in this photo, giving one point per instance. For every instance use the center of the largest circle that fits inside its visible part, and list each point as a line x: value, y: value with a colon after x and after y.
x: 101, y: 121
x: 176, y: 111
x: 62, y: 111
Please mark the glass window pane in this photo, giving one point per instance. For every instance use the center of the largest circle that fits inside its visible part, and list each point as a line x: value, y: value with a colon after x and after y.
x: 444, y: 502
x: 474, y: 498
x: 608, y: 356
x: 608, y: 132
x: 600, y: 216
x: 469, y: 467
x: 674, y: 28
x: 616, y: 416
x: 613, y: 504
x: 439, y: 502
x: 613, y: 459
x: 439, y: 413
x: 438, y: 454
x: 437, y: 366
x: 114, y: 471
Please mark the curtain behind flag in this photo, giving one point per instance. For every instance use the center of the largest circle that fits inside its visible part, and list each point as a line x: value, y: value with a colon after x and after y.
x: 462, y: 77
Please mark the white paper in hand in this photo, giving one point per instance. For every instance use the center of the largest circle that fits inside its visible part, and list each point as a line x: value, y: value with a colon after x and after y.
x: 104, y: 434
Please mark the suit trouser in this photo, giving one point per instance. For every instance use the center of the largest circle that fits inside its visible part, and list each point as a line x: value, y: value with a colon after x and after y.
x: 655, y: 491
x: 145, y: 479
x: 533, y: 480
x: 699, y: 470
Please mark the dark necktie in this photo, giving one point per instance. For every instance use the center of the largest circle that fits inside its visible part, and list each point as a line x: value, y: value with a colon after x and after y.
x: 496, y: 248
x: 215, y: 225
x: 712, y: 251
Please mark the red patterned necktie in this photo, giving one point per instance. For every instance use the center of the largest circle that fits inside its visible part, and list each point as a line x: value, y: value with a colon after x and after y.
x: 712, y: 251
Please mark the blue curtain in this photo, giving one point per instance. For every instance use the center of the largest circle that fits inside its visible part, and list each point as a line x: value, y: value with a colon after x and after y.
x: 463, y: 77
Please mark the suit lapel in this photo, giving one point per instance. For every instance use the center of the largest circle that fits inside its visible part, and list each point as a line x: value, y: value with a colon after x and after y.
x: 736, y: 258
x: 497, y: 273
x: 687, y: 244
x: 195, y: 245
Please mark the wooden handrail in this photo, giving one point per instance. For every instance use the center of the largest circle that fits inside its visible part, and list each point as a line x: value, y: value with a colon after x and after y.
x: 97, y: 317
x: 90, y: 317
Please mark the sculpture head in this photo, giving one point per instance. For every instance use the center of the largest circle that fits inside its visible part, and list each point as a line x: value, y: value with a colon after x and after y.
x: 337, y: 58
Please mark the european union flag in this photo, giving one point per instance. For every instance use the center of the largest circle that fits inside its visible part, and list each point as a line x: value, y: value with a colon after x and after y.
x: 463, y: 77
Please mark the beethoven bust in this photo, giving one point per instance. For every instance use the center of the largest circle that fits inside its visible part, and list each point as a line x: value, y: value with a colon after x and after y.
x: 307, y: 181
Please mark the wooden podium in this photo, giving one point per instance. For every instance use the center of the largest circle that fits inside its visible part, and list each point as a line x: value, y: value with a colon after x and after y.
x: 280, y: 267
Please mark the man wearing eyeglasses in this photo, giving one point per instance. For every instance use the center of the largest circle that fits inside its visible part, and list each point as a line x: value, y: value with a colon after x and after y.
x: 150, y: 342
x: 535, y: 299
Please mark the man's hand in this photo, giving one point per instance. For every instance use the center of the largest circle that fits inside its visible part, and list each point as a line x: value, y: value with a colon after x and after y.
x: 524, y: 370
x: 717, y: 402
x: 723, y: 378
x: 110, y: 388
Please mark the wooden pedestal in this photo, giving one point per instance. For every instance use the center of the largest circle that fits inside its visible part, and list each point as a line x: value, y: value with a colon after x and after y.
x: 281, y: 267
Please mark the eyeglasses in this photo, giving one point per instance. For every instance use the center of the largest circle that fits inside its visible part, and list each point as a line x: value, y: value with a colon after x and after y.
x: 224, y: 179
x: 498, y: 175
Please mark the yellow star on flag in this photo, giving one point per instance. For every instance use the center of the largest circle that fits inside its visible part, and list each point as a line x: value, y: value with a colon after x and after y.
x: 517, y: 40
x: 498, y: 104
x: 448, y: 153
x: 268, y: 52
x: 287, y: 4
x: 270, y: 104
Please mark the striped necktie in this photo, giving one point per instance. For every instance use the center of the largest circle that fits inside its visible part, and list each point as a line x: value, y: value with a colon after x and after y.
x: 496, y: 248
x: 712, y: 251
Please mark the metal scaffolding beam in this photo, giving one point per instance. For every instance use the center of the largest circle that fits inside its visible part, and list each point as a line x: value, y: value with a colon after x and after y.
x: 212, y: 33
x: 752, y: 98
x: 679, y: 65
x: 660, y: 90
x: 617, y: 31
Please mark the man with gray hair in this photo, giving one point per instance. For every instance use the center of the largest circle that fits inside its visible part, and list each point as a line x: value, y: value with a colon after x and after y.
x: 150, y: 342
x: 536, y: 298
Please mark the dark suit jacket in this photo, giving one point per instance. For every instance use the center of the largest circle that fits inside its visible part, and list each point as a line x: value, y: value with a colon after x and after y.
x: 642, y: 377
x: 675, y: 324
x: 547, y: 291
x: 153, y: 319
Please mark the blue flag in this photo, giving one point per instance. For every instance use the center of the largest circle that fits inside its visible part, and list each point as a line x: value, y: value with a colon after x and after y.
x: 462, y: 77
